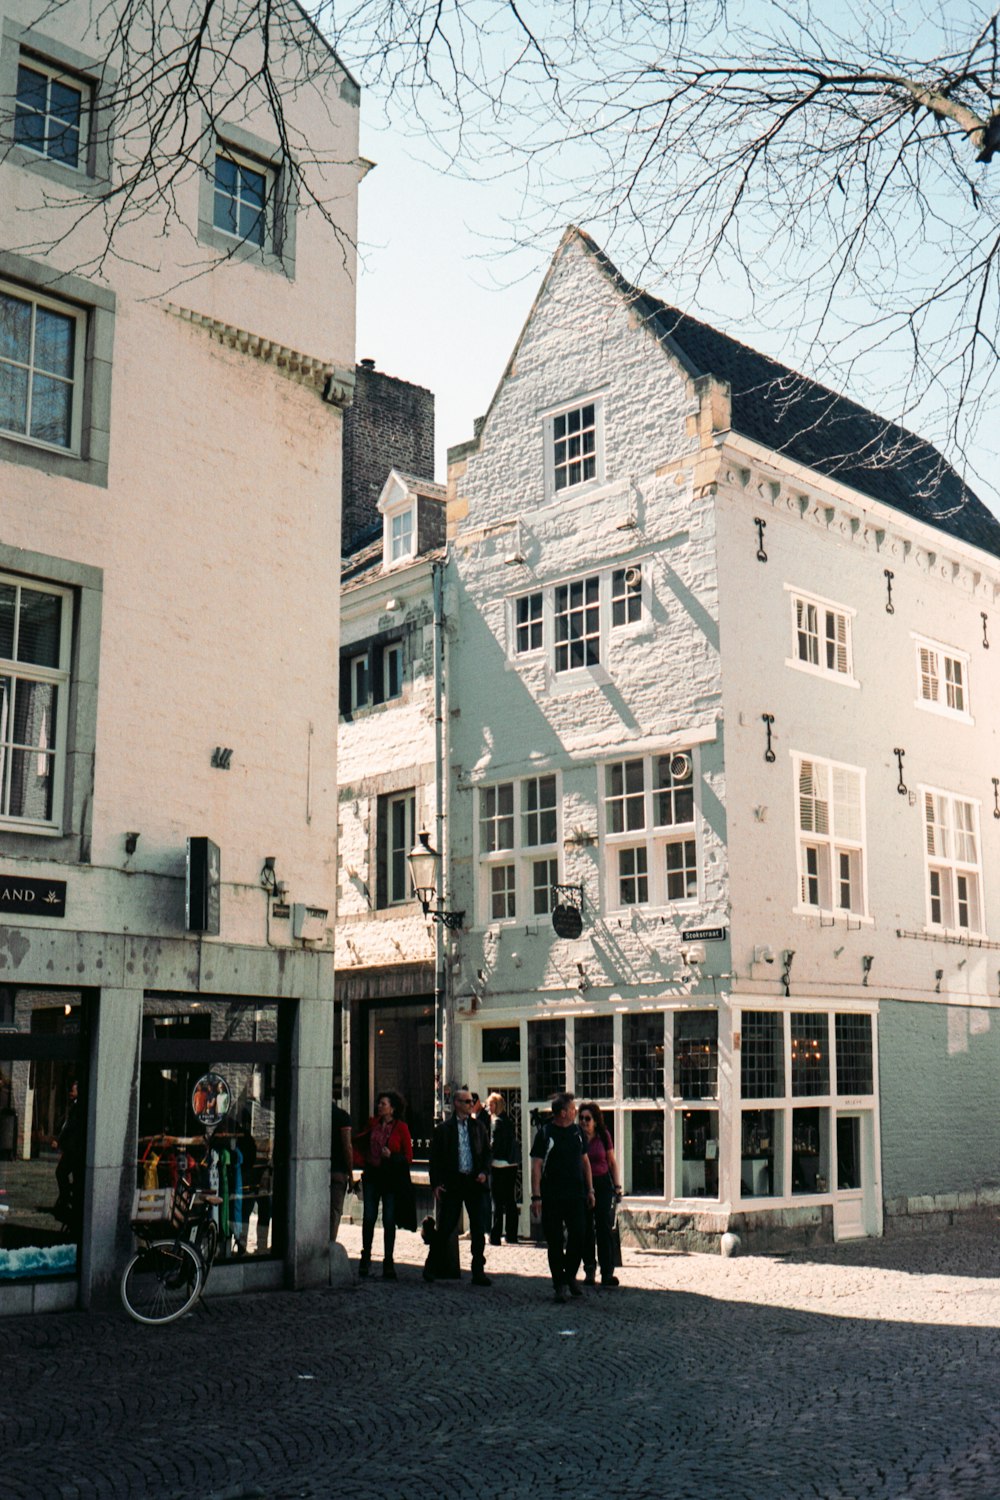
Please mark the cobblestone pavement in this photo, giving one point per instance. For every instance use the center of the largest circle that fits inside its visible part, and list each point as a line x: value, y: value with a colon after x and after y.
x: 867, y: 1370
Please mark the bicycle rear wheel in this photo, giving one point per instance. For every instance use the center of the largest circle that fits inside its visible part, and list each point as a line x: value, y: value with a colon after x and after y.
x: 162, y: 1281
x: 206, y: 1242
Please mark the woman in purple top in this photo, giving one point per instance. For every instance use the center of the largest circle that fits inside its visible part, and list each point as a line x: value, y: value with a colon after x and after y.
x: 597, y: 1244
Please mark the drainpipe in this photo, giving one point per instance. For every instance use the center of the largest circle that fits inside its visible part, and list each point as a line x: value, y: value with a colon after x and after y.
x: 437, y: 574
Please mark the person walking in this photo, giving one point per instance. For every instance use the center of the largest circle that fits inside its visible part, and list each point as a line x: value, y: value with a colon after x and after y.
x: 503, y: 1171
x: 460, y: 1159
x: 386, y: 1153
x: 598, y: 1245
x: 562, y: 1188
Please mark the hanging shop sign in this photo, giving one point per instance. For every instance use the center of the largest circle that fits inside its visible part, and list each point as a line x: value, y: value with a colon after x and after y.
x: 22, y: 897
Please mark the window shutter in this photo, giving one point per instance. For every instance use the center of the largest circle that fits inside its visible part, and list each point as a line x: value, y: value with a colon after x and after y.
x: 842, y: 662
x: 928, y: 674
x: 814, y: 811
x: 847, y: 804
x: 382, y: 853
x: 345, y: 686
x: 378, y: 674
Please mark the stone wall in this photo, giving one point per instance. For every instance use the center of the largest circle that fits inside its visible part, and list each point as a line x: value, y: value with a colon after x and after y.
x: 389, y: 426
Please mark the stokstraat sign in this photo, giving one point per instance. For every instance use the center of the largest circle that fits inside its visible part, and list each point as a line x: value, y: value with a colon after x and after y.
x: 22, y: 897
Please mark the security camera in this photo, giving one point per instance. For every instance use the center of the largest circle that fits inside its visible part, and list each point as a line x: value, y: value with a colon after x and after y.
x: 693, y: 955
x: 763, y: 955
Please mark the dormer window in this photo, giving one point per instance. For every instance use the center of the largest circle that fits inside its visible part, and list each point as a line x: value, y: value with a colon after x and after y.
x: 400, y: 538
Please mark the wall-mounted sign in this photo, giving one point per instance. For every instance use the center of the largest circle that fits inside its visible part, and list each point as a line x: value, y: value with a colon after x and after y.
x: 204, y: 879
x: 567, y: 921
x: 210, y: 1099
x: 32, y: 898
x: 704, y: 935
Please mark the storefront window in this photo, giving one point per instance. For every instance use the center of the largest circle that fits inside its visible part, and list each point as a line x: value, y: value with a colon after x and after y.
x: 810, y: 1151
x: 762, y: 1052
x: 762, y: 1153
x: 643, y: 1056
x: 854, y: 1054
x: 546, y: 1058
x: 697, y: 1137
x: 595, y: 1058
x: 645, y: 1128
x: 211, y: 1107
x: 402, y: 1054
x: 696, y: 1054
x: 810, y: 1053
x: 43, y: 1111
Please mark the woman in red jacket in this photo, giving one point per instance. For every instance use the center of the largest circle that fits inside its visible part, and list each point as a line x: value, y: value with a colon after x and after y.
x: 385, y: 1151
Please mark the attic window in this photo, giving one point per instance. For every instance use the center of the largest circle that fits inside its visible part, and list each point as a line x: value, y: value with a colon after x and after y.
x: 399, y: 535
x: 574, y: 447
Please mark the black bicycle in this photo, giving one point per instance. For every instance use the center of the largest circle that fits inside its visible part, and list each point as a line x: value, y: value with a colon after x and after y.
x: 169, y: 1272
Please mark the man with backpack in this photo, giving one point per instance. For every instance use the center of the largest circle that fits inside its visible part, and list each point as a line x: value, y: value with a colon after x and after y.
x: 561, y: 1186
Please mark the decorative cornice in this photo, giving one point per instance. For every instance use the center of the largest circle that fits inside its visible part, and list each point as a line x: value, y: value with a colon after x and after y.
x: 335, y: 383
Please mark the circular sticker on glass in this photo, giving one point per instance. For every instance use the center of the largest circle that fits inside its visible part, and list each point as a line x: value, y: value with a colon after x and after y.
x: 210, y: 1098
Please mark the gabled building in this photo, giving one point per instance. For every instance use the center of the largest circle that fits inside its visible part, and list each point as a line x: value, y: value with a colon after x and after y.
x: 723, y: 802
x: 170, y: 440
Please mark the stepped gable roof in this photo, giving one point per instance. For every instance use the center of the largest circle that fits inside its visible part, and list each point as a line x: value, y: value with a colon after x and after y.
x: 814, y: 426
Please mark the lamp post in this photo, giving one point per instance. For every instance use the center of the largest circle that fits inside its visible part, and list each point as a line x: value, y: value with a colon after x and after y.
x: 425, y: 862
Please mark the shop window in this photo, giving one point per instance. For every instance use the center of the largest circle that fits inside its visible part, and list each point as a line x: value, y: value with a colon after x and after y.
x: 502, y: 1044
x: 696, y: 1054
x: 645, y: 1157
x: 855, y: 1070
x: 810, y: 1052
x: 697, y: 1140
x: 43, y: 1112
x: 546, y: 1058
x: 762, y: 1055
x: 212, y: 1108
x: 642, y: 1056
x: 762, y: 1153
x: 810, y: 1150
x: 595, y: 1057
x: 402, y: 1058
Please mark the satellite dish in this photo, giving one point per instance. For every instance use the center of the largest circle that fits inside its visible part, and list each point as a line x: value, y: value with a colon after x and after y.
x: 567, y: 921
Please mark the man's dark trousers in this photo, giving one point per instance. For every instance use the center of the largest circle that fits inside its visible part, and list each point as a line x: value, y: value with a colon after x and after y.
x: 463, y: 1189
x: 562, y: 1226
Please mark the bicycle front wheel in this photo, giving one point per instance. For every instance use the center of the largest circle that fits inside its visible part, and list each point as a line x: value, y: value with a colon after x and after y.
x: 162, y: 1281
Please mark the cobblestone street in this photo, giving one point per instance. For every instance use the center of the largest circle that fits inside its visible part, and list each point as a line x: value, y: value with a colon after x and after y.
x: 863, y: 1370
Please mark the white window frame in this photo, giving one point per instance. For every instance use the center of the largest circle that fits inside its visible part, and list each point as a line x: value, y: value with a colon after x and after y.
x: 82, y: 86
x: 935, y: 666
x: 607, y: 634
x: 549, y: 418
x: 534, y: 624
x: 393, y: 555
x: 524, y: 852
x: 408, y: 801
x: 951, y: 864
x: 651, y: 836
x: 834, y: 843
x: 264, y: 169
x: 826, y: 609
x: 76, y: 381
x: 58, y: 677
x: 361, y: 662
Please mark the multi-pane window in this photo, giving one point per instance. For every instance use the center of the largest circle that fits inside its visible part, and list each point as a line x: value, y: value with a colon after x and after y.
x: 943, y: 679
x: 401, y: 811
x: 821, y: 636
x: 762, y: 1055
x: 41, y: 348
x: 831, y: 836
x: 240, y: 206
x: 574, y: 446
x: 401, y: 534
x: 643, y: 1056
x: 35, y: 626
x: 855, y: 1068
x: 50, y: 113
x: 528, y: 623
x: 546, y: 1058
x: 595, y: 1057
x: 696, y: 1054
x: 370, y: 673
x: 577, y: 622
x: 626, y: 596
x: 649, y: 828
x: 518, y: 842
x: 954, y: 874
x: 810, y: 1052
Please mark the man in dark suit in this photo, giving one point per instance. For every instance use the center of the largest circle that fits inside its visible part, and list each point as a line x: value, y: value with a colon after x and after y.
x: 460, y: 1162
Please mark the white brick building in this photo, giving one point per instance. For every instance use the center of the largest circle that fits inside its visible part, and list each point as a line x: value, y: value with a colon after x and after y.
x: 170, y: 435
x: 721, y: 666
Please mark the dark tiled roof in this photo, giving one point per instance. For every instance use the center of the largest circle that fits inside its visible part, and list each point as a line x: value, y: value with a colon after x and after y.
x: 814, y: 426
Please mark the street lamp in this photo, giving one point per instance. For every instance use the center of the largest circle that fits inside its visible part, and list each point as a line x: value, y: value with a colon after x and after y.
x: 424, y: 862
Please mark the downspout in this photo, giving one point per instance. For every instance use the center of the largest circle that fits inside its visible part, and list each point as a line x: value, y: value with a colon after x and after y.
x: 437, y: 573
